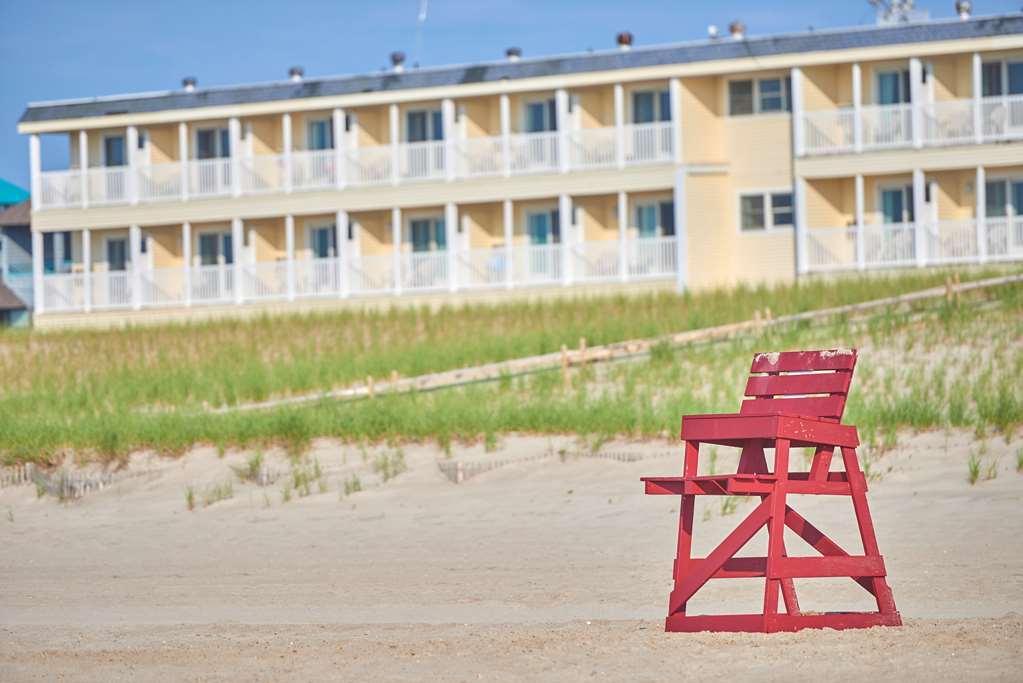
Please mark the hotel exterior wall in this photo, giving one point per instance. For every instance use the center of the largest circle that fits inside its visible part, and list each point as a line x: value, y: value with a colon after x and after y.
x: 703, y: 138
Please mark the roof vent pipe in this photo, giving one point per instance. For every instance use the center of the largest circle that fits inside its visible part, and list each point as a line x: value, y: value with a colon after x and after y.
x: 398, y: 62
x: 295, y: 74
x: 737, y: 29
x: 513, y: 54
x: 963, y: 9
x: 624, y: 40
x: 189, y: 83
x: 713, y: 32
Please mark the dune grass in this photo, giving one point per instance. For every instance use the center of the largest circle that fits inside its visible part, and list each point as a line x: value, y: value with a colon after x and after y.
x: 95, y: 392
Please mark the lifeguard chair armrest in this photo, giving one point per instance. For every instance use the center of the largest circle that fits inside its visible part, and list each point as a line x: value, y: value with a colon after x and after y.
x: 728, y: 429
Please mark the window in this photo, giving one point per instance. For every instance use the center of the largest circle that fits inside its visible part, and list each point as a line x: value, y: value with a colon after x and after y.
x: 544, y: 227
x: 897, y: 204
x: 113, y: 150
x: 656, y: 219
x: 323, y: 241
x: 212, y: 143
x: 117, y: 254
x: 1001, y: 78
x: 541, y: 116
x: 1003, y: 197
x: 320, y: 134
x: 759, y: 96
x: 213, y: 246
x: 428, y: 234
x: 424, y: 125
x: 893, y: 87
x: 649, y: 106
x: 766, y: 210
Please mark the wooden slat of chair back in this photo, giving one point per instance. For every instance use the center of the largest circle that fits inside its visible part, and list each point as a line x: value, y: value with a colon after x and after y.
x: 818, y: 388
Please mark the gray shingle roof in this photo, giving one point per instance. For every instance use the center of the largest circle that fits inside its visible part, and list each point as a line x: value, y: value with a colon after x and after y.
x: 723, y: 48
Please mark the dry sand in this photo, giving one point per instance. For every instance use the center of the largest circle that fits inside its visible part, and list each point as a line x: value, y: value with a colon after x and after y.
x: 551, y: 568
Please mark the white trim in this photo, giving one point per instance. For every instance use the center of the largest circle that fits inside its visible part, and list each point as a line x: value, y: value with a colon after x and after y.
x: 766, y: 193
x: 630, y: 106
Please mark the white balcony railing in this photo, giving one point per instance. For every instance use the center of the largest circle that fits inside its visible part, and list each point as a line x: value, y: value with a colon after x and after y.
x: 653, y: 257
x: 370, y: 166
x: 209, y: 178
x: 263, y: 173
x: 647, y: 143
x: 533, y: 152
x: 424, y: 270
x: 593, y: 148
x: 60, y: 189
x: 1002, y: 117
x: 481, y: 157
x: 422, y: 160
x: 596, y: 261
x: 159, y: 182
x: 313, y: 170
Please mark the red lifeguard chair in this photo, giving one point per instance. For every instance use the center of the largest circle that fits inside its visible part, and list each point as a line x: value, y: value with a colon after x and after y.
x: 795, y: 399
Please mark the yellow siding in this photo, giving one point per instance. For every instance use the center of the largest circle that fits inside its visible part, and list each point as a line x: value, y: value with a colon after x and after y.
x: 374, y: 232
x: 163, y: 144
x: 267, y: 135
x: 598, y: 217
x: 702, y: 126
x: 373, y: 126
x: 596, y: 107
x: 821, y: 87
x: 165, y: 243
x: 760, y: 150
x: 710, y: 230
x: 267, y: 238
x: 830, y: 202
x: 485, y: 223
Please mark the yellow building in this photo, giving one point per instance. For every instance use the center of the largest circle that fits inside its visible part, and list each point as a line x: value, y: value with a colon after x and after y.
x: 735, y: 159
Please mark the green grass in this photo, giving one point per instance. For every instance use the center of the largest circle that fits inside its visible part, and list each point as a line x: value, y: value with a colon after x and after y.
x: 104, y: 394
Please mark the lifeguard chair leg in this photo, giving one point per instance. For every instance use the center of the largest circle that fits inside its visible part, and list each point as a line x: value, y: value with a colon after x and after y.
x: 776, y: 532
x: 683, y: 556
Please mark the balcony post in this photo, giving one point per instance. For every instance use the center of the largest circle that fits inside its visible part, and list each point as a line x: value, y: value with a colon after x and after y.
x: 796, y: 96
x: 341, y: 240
x: 237, y: 242
x: 980, y: 213
x: 396, y: 249
x: 505, y: 133
x: 35, y: 170
x: 623, y: 236
x: 978, y: 94
x: 675, y: 102
x: 87, y: 267
x: 234, y: 128
x: 39, y: 303
x: 83, y: 168
x: 619, y: 91
x: 561, y: 113
x: 565, y: 225
x: 183, y: 158
x: 135, y: 244
x: 338, y: 123
x: 132, y: 184
x: 289, y: 249
x: 508, y: 214
x: 395, y: 139
x: 920, y: 222
x: 448, y: 114
x: 5, y: 247
x: 450, y: 235
x: 286, y: 143
x: 186, y: 255
x: 857, y: 97
x: 681, y: 243
x: 861, y: 251
x: 916, y: 92
x: 799, y: 190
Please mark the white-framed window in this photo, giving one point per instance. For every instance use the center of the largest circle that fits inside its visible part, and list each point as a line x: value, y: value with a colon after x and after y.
x: 543, y: 226
x: 213, y: 246
x: 115, y: 150
x: 1003, y: 197
x: 766, y: 210
x: 1002, y: 78
x: 540, y: 116
x: 655, y: 219
x: 650, y: 106
x: 423, y: 125
x: 893, y: 87
x: 116, y: 252
x: 319, y: 134
x: 759, y: 96
x: 212, y: 143
x: 427, y: 233
x: 321, y: 239
x: 897, y: 205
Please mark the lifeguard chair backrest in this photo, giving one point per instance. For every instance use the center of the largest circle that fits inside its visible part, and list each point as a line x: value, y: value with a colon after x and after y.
x: 808, y: 383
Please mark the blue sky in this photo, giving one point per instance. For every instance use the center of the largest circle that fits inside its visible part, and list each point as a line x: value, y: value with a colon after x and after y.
x: 57, y: 49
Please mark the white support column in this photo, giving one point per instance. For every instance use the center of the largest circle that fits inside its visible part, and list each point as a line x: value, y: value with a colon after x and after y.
x: 288, y: 145
x: 567, y: 237
x: 35, y: 170
x: 451, y: 234
x: 132, y: 185
x: 186, y: 254
x: 796, y: 78
x: 505, y: 103
x: 237, y: 244
x: 135, y: 245
x: 396, y: 248
x: 561, y: 113
x: 5, y: 248
x: 681, y: 236
x: 675, y: 102
x: 289, y: 249
x: 183, y: 157
x: 861, y: 252
x: 619, y: 105
x: 447, y: 108
x: 341, y: 240
x: 234, y: 128
x: 920, y: 220
x: 39, y: 305
x: 623, y: 236
x: 340, y: 145
x: 857, y: 97
x: 916, y: 96
x: 83, y: 167
x: 87, y: 268
x: 980, y: 213
x: 799, y: 190
x: 978, y: 93
x: 508, y: 214
x: 395, y: 139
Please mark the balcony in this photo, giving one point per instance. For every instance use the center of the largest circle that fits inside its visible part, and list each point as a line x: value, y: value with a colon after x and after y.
x: 914, y: 244
x: 363, y: 276
x: 405, y: 163
x: 947, y: 122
